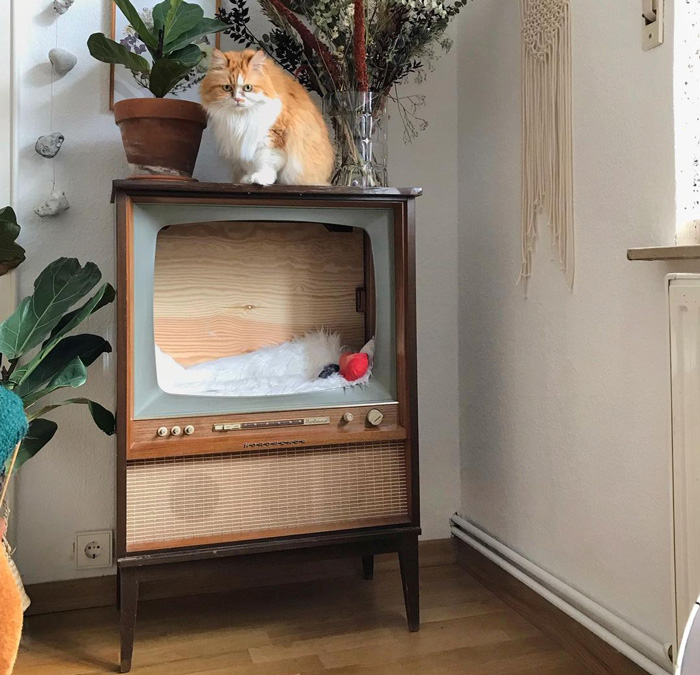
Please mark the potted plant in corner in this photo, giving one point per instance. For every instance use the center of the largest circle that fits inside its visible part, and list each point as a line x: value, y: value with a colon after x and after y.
x: 161, y: 136
x: 40, y: 355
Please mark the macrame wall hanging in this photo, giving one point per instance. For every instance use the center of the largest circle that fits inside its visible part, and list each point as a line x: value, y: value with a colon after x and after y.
x: 547, y: 156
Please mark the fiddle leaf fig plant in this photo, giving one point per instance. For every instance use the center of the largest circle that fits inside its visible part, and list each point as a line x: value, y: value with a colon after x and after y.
x: 170, y: 41
x: 38, y: 354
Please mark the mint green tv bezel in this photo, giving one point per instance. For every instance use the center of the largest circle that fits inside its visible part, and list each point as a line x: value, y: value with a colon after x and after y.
x: 151, y: 402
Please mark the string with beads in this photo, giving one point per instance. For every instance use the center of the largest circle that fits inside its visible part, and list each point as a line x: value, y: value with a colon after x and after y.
x: 62, y: 62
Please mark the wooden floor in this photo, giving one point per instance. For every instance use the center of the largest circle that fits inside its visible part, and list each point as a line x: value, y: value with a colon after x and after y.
x: 339, y: 626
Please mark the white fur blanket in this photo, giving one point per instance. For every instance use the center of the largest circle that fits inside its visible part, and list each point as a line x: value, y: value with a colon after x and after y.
x: 290, y: 368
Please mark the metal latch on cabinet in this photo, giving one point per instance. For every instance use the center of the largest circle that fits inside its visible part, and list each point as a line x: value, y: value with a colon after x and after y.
x: 652, y: 24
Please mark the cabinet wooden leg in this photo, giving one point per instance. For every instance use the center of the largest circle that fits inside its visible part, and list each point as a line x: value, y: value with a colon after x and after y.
x: 128, y: 604
x: 408, y: 561
x: 368, y: 567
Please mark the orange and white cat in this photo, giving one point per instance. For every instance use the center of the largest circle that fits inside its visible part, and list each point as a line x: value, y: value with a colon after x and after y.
x: 265, y: 122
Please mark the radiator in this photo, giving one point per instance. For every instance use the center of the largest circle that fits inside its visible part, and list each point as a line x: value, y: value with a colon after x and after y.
x: 684, y: 320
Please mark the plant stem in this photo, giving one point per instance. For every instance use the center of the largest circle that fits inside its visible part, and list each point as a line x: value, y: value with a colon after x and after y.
x: 11, y: 369
x: 8, y: 475
x: 161, y: 41
x: 360, y: 47
x: 309, y: 40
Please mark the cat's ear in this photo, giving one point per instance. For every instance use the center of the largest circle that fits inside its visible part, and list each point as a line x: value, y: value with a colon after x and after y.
x: 258, y: 60
x: 218, y: 60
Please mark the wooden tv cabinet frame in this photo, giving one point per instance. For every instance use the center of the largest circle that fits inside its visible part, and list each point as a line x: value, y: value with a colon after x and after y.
x: 178, y: 560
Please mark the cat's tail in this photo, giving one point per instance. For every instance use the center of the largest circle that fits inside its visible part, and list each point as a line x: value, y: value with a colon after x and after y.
x: 310, y: 154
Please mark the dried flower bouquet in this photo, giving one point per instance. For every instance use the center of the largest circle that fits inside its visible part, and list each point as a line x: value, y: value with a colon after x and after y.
x: 339, y: 46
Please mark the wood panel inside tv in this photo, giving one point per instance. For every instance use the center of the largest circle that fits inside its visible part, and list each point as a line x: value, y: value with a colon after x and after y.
x: 228, y: 288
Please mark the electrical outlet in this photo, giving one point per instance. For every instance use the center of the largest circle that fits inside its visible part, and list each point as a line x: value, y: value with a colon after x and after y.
x: 93, y: 549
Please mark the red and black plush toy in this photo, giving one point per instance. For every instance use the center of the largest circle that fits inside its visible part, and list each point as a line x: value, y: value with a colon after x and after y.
x: 353, y: 366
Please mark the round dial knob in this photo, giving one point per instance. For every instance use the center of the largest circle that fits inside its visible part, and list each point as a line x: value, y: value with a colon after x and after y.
x: 162, y: 431
x: 189, y: 430
x: 348, y: 417
x: 375, y: 417
x: 175, y: 431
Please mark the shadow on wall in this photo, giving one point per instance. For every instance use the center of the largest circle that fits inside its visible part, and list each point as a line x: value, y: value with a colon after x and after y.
x: 489, y: 164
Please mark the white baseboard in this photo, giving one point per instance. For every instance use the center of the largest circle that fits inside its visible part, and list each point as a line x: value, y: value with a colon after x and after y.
x: 640, y: 648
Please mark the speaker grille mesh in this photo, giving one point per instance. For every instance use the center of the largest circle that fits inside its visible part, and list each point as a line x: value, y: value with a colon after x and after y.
x: 214, y: 495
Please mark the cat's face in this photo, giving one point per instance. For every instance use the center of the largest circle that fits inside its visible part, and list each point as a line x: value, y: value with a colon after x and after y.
x: 237, y: 81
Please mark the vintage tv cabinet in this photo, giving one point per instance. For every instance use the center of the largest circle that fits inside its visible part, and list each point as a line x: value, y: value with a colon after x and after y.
x: 141, y: 443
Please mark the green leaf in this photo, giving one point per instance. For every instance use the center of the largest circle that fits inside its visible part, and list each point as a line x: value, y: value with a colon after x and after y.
x: 106, y: 295
x: 160, y: 11
x: 74, y: 375
x: 63, y: 283
x: 11, y: 253
x: 86, y: 347
x: 75, y: 319
x: 83, y: 313
x: 183, y: 16
x: 102, y: 417
x: 205, y: 27
x: 133, y: 17
x: 166, y: 74
x: 173, y: 9
x: 40, y: 432
x: 189, y: 56
x: 109, y: 51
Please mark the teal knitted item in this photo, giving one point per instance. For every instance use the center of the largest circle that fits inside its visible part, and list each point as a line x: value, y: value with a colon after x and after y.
x: 13, y: 423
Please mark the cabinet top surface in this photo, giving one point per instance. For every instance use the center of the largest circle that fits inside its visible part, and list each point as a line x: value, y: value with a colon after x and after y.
x: 195, y: 188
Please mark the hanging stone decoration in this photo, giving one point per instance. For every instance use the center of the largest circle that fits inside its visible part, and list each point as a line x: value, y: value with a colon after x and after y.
x: 62, y: 60
x: 48, y: 146
x: 547, y: 150
x: 61, y: 6
x: 56, y: 204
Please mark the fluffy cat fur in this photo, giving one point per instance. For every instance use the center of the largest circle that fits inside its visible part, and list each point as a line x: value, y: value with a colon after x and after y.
x: 265, y: 122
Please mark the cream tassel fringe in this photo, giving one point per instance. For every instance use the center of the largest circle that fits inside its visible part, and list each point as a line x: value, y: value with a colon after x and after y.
x: 547, y: 154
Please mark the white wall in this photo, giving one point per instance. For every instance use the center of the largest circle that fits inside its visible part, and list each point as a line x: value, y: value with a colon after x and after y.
x: 70, y: 486
x: 686, y: 105
x: 565, y: 414
x: 7, y: 282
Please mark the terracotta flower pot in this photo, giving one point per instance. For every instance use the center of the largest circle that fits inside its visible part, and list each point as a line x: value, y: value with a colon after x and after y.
x: 161, y: 136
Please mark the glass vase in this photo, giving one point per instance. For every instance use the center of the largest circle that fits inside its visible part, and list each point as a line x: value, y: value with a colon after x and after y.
x: 359, y: 122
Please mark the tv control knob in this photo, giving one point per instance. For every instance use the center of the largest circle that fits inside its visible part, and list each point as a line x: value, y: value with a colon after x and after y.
x: 375, y: 417
x: 189, y: 430
x: 175, y: 431
x: 162, y: 431
x: 348, y: 417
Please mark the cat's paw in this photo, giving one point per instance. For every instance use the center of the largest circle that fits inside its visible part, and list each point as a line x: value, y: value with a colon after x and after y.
x: 263, y: 177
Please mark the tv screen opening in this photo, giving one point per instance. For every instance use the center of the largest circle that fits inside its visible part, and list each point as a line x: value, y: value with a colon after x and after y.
x: 263, y: 314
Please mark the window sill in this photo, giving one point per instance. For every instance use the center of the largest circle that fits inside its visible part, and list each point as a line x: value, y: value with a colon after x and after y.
x: 664, y: 253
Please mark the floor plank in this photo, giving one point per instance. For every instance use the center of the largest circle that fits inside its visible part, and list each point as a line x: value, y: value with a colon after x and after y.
x: 343, y: 626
